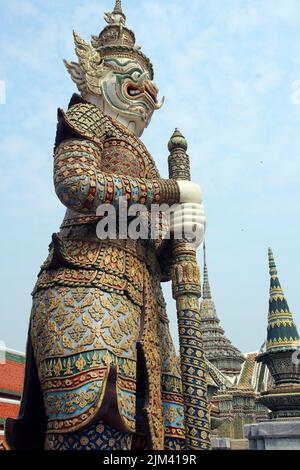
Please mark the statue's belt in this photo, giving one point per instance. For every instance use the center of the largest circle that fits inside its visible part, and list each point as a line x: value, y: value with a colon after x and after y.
x: 115, y: 265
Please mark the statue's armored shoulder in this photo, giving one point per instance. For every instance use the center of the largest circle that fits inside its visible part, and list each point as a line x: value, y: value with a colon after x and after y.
x: 82, y: 120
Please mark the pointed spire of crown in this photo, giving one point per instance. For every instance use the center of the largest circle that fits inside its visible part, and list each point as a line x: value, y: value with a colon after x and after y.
x: 206, y: 286
x: 282, y: 331
x: 117, y: 16
x: 117, y: 40
x: 118, y: 9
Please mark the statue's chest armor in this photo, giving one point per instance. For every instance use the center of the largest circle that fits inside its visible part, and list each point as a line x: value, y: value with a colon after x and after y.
x: 120, y: 157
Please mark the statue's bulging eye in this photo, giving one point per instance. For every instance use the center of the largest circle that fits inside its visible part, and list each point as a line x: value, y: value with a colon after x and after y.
x: 136, y: 75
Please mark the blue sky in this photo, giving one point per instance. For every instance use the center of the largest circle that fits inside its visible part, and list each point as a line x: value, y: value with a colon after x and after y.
x: 226, y: 68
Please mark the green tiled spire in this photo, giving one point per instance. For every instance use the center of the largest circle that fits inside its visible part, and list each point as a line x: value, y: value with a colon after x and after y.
x: 282, y: 331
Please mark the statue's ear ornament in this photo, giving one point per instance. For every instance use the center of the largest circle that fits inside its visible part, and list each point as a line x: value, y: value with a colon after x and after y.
x: 77, y: 75
x: 89, y: 73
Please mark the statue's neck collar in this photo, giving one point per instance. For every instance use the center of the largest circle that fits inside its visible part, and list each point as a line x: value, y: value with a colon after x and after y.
x: 108, y: 111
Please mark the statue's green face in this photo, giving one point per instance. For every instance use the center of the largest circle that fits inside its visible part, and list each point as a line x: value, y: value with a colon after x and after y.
x: 127, y: 89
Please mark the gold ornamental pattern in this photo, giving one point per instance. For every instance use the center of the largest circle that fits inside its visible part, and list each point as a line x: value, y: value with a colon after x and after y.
x: 82, y: 318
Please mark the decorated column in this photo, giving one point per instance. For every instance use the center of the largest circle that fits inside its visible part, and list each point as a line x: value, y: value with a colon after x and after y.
x: 187, y: 291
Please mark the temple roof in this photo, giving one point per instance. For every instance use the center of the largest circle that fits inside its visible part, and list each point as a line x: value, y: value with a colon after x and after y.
x: 282, y: 331
x: 12, y: 364
x: 253, y: 374
x: 11, y: 372
x: 218, y: 378
x: 218, y: 348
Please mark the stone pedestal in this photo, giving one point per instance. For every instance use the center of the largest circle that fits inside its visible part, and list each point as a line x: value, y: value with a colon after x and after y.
x: 274, y: 435
x: 224, y: 443
x: 220, y: 443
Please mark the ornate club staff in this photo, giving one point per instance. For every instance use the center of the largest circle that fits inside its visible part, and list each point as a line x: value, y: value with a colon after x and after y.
x: 186, y: 290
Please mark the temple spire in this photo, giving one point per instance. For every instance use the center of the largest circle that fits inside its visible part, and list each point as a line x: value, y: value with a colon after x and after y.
x: 218, y: 348
x: 283, y: 398
x: 206, y: 286
x: 282, y: 331
x: 272, y: 265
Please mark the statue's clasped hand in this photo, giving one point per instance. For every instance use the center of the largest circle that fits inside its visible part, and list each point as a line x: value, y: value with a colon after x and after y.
x: 187, y: 220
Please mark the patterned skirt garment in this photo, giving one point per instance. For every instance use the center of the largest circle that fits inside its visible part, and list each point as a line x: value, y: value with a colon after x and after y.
x: 95, y: 437
x: 106, y: 361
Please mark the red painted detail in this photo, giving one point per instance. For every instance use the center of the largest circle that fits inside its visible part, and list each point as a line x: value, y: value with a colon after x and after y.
x: 8, y: 410
x: 11, y: 376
